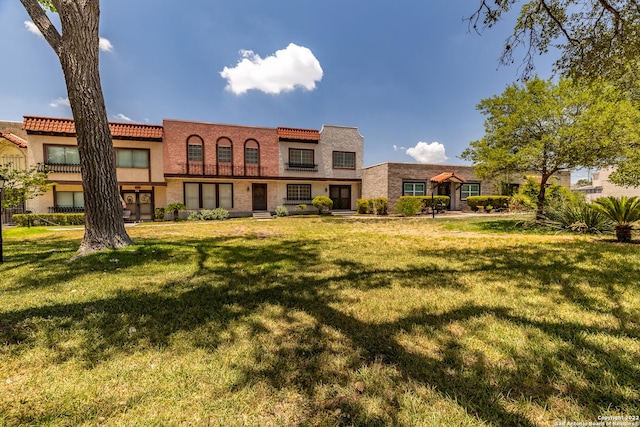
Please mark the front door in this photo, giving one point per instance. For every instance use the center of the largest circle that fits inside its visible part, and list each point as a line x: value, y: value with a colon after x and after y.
x: 341, y: 196
x: 259, y: 192
x: 444, y: 189
x: 140, y: 204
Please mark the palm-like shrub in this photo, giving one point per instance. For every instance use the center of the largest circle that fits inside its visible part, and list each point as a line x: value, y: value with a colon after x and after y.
x: 576, y: 216
x: 623, y: 211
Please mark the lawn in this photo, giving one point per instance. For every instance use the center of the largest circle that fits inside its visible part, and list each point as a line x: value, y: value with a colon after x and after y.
x: 320, y: 321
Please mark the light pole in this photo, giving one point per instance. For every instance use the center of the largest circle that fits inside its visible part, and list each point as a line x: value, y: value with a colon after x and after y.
x: 1, y: 190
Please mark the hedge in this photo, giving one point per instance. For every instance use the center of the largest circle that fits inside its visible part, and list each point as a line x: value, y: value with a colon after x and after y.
x: 413, y: 205
x: 25, y: 220
x: 374, y: 206
x: 481, y: 202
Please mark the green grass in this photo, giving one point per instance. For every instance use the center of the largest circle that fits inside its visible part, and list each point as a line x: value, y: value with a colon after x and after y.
x: 319, y: 321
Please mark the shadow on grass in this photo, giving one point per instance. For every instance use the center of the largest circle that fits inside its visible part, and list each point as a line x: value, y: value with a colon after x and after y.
x: 232, y: 283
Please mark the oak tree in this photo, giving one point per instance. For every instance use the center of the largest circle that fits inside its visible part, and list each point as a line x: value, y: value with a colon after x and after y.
x: 77, y: 48
x: 543, y: 127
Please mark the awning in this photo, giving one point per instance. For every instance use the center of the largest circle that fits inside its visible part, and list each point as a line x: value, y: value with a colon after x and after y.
x: 448, y: 177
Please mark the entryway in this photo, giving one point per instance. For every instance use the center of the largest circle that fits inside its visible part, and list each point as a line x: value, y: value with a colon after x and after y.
x: 259, y: 192
x: 341, y: 196
x: 140, y: 204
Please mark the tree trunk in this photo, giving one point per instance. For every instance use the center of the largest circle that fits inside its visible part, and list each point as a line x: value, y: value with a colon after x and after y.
x: 541, y: 199
x: 623, y: 233
x: 104, y: 225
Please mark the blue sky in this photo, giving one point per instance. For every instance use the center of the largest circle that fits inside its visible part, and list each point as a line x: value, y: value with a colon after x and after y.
x: 408, y: 74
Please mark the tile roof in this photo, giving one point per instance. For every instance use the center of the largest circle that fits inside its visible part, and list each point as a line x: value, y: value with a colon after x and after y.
x: 34, y: 124
x: 447, y: 176
x: 14, y: 138
x: 298, y: 134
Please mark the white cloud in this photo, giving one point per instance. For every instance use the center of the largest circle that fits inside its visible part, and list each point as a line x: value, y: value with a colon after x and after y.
x: 123, y: 117
x: 105, y: 45
x: 60, y: 102
x: 396, y: 148
x: 289, y: 68
x: 31, y: 27
x: 428, y: 153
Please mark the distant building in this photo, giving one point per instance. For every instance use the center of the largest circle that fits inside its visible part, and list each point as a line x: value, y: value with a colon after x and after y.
x: 602, y: 187
x: 393, y: 180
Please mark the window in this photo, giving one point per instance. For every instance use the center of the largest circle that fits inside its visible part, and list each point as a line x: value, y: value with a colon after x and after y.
x: 61, y: 155
x: 224, y: 154
x: 207, y: 195
x: 70, y: 199
x: 344, y: 160
x: 194, y: 152
x: 251, y: 156
x: 414, y: 189
x: 298, y: 192
x: 300, y: 158
x: 467, y: 190
x: 132, y: 158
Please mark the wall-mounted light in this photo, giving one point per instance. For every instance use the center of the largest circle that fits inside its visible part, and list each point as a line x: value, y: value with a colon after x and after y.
x: 326, y: 190
x: 248, y: 188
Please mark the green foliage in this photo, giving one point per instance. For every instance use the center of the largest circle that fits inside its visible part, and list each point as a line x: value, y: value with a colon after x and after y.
x: 174, y: 208
x: 488, y: 202
x: 576, y: 216
x: 373, y: 206
x: 623, y: 211
x: 158, y: 214
x: 409, y: 205
x: 543, y: 127
x: 282, y: 211
x: 194, y: 216
x: 322, y: 203
x: 520, y: 202
x: 301, y: 207
x: 22, y: 184
x: 27, y: 220
x: 217, y: 214
x: 412, y: 205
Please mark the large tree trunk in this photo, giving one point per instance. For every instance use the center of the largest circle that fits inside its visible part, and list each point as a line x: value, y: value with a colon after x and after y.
x: 78, y: 51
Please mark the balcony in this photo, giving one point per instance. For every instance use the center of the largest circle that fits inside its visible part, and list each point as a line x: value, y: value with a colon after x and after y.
x: 58, y: 168
x: 304, y: 167
x: 223, y: 169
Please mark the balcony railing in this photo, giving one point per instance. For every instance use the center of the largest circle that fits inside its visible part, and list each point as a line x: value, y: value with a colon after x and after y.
x: 307, y: 167
x: 58, y: 167
x: 203, y: 169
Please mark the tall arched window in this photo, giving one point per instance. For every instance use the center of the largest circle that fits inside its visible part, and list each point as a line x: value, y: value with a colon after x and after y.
x: 195, y: 155
x: 224, y: 155
x: 251, y: 158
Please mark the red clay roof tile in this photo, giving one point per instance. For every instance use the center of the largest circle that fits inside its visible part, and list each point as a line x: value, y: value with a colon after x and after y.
x: 14, y: 138
x: 34, y: 124
x: 298, y: 134
x: 447, y: 176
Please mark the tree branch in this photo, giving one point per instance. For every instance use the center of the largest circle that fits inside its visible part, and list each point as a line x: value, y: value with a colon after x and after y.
x: 42, y: 21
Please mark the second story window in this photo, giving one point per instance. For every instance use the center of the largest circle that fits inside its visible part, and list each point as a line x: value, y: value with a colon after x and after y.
x: 224, y: 154
x: 344, y: 160
x: 251, y: 156
x: 62, y: 155
x: 132, y: 158
x: 195, y: 152
x: 301, y: 158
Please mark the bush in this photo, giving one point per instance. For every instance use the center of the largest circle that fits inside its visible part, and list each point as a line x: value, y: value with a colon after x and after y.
x: 282, y: 211
x: 576, y: 216
x: 521, y: 202
x: 25, y: 220
x: 322, y: 203
x: 374, y: 206
x: 409, y: 205
x: 194, y: 216
x: 219, y: 214
x: 174, y: 208
x: 158, y: 214
x: 413, y: 205
x: 492, y: 202
x: 301, y: 207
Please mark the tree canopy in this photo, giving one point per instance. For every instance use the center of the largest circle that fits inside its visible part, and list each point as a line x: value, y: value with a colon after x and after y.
x: 596, y: 38
x: 544, y: 127
x: 22, y: 184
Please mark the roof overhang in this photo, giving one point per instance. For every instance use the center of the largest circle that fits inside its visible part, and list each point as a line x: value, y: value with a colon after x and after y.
x: 448, y: 177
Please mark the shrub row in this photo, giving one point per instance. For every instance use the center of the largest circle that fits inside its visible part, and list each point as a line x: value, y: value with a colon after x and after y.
x: 218, y: 214
x: 413, y: 205
x: 488, y: 202
x: 374, y: 206
x: 25, y: 220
